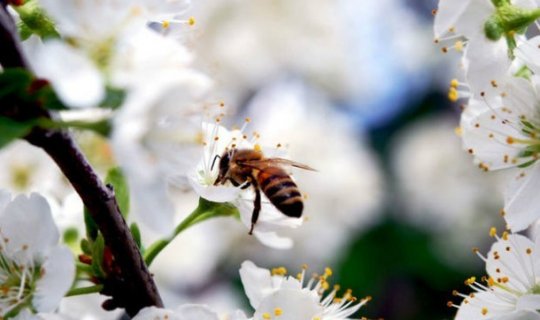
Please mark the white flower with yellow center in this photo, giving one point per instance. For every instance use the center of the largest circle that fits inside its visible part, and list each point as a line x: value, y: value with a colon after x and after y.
x: 505, y: 135
x: 487, y: 32
x: 157, y: 136
x: 217, y: 140
x: 274, y: 295
x: 109, y: 44
x: 35, y: 272
x: 511, y: 289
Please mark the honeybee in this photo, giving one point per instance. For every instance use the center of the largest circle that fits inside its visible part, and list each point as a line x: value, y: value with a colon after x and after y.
x: 248, y: 167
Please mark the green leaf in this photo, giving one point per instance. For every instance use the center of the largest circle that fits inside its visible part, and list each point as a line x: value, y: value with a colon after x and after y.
x: 34, y: 20
x: 136, y: 233
x: 91, y: 226
x: 97, y: 256
x: 11, y: 130
x: 116, y: 178
x: 15, y: 82
x: 114, y: 98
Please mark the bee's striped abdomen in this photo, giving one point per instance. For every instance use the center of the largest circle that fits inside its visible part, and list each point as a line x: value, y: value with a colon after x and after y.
x: 281, y: 190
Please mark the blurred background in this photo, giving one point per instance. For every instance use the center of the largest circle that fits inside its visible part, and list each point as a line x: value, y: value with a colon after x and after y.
x: 357, y: 90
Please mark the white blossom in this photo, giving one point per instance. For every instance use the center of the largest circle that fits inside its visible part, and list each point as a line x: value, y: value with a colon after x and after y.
x: 511, y: 286
x: 503, y: 136
x: 156, y: 137
x: 274, y: 294
x: 216, y: 140
x: 109, y: 45
x: 35, y: 272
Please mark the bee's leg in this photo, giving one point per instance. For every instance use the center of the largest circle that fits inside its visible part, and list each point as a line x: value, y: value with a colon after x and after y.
x: 245, y: 186
x: 256, y: 205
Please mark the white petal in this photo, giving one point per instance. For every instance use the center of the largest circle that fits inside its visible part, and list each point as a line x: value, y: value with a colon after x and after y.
x: 294, y: 304
x: 509, y: 258
x: 471, y: 22
x: 448, y: 14
x: 273, y: 240
x: 75, y: 78
x: 222, y: 193
x: 154, y: 313
x: 59, y: 274
x: 196, y: 312
x: 25, y: 314
x: 522, y: 205
x: 5, y: 197
x: 529, y: 52
x: 27, y: 221
x: 529, y: 302
x: 520, y: 315
x: 487, y: 61
x: 238, y: 315
x: 257, y: 282
x: 473, y: 308
x: 485, y: 136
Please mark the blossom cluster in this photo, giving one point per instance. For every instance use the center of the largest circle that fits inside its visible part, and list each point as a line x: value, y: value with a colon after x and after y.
x: 126, y: 63
x: 500, y: 121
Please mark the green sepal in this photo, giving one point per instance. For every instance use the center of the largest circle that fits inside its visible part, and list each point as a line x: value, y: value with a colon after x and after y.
x: 97, y: 256
x: 11, y: 130
x: 90, y: 224
x: 35, y: 21
x: 527, y: 164
x: 136, y: 233
x: 523, y: 72
x: 116, y: 178
x: 499, y: 3
x: 114, y: 98
x: 86, y: 247
x: 493, y: 28
x: 509, y: 19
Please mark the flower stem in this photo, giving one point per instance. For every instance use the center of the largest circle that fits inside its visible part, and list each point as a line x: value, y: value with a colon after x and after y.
x: 84, y: 290
x: 204, y: 211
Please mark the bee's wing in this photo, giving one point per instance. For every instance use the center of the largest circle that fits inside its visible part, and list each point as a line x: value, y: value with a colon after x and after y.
x: 263, y: 163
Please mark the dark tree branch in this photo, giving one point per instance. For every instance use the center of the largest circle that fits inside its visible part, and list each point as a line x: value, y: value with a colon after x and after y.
x: 133, y: 288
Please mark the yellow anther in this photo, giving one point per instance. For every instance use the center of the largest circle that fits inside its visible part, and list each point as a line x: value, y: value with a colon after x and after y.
x: 247, y: 119
x: 454, y: 83
x: 278, y: 312
x: 191, y: 21
x: 458, y: 131
x: 165, y: 24
x: 459, y: 46
x: 257, y: 147
x: 299, y: 276
x: 505, y: 235
x: 492, y: 232
x: 266, y: 316
x: 470, y: 281
x: 453, y: 94
x: 304, y: 266
x: 490, y: 281
x: 484, y: 311
x: 327, y: 272
x: 280, y: 271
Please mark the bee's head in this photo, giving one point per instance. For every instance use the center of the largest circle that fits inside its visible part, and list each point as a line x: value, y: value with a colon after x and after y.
x: 224, y: 162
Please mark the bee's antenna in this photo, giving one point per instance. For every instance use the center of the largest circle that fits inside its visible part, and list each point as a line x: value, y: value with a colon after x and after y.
x: 214, y: 161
